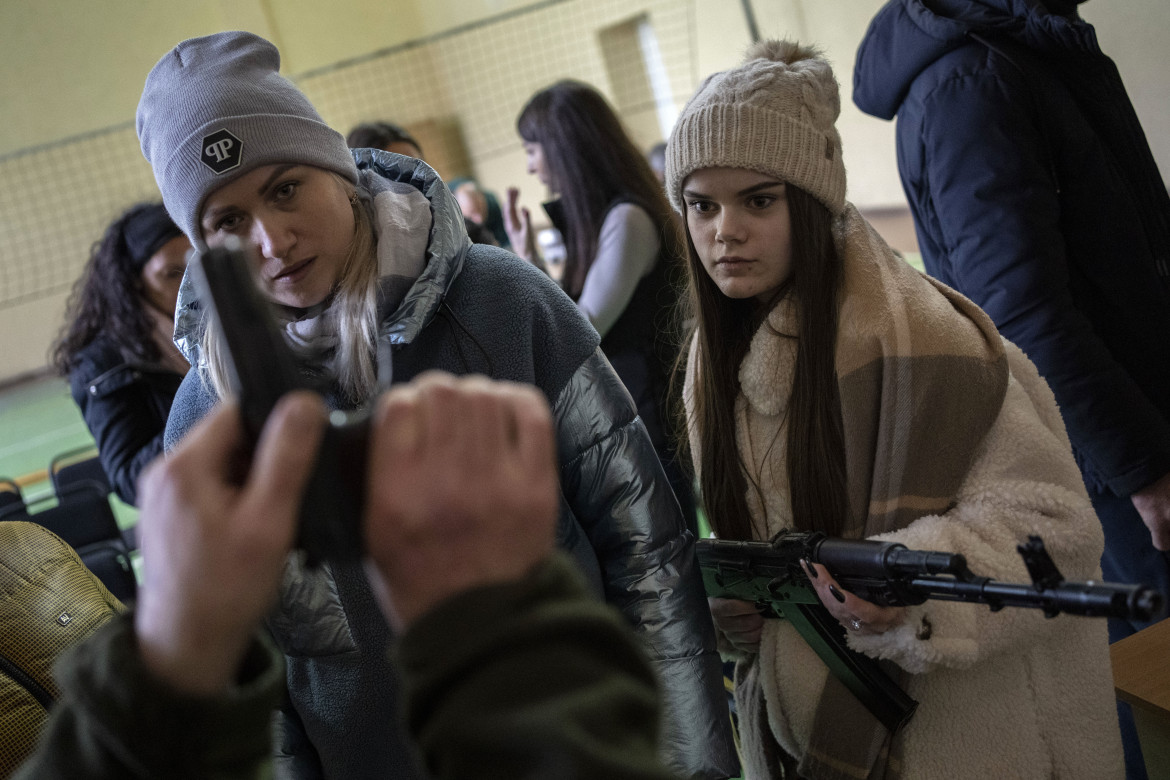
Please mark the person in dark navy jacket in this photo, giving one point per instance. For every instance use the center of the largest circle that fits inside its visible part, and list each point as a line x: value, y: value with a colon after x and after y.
x: 1035, y: 193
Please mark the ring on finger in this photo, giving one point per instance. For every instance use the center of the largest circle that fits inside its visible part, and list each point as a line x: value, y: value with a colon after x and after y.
x: 854, y: 624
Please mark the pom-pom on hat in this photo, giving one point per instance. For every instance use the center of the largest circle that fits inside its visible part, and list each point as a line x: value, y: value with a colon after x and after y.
x: 774, y: 114
x: 215, y: 108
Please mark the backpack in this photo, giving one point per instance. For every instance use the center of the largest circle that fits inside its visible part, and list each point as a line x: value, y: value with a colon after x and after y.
x: 49, y: 601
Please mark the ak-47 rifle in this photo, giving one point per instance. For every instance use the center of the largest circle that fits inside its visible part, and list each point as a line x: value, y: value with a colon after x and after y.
x: 770, y: 575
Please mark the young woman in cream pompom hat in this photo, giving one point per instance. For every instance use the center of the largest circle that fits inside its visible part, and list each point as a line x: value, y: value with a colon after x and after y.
x: 831, y: 387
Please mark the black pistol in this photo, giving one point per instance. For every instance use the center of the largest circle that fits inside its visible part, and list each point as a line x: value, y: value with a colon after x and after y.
x: 262, y: 369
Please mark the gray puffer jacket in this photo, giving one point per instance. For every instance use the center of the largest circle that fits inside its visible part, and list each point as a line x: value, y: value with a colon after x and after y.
x: 479, y: 309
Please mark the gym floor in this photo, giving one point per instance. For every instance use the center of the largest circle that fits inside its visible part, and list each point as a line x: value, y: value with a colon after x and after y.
x: 38, y: 420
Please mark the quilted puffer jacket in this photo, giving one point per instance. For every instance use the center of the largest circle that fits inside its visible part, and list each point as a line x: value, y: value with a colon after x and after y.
x: 479, y: 309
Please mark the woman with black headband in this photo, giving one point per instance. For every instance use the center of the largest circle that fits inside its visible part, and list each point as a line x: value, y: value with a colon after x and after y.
x: 116, y: 347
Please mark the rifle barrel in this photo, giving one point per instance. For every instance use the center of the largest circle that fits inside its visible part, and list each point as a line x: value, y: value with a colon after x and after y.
x: 1092, y: 599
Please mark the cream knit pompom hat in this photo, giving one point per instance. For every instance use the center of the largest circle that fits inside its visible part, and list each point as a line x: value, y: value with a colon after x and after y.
x: 774, y: 114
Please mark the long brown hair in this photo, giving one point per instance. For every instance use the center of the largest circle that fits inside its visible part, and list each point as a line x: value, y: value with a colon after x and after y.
x: 593, y: 164
x: 724, y: 327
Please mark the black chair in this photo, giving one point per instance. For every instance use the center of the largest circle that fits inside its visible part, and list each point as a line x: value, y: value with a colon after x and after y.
x: 10, y: 494
x: 83, y: 465
x: 83, y: 518
x: 79, y: 465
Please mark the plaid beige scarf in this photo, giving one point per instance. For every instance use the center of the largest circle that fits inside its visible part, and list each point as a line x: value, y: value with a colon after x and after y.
x: 922, y: 376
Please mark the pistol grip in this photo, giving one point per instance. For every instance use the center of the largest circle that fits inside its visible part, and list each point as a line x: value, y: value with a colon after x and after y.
x: 334, y: 504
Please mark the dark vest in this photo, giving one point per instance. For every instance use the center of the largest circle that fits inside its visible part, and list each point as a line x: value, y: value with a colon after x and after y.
x: 644, y: 342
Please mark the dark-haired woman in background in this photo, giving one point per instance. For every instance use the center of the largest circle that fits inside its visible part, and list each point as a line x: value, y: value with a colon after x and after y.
x: 619, y: 233
x: 116, y: 346
x: 386, y: 136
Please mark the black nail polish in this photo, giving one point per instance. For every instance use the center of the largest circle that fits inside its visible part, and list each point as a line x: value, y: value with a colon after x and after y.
x: 812, y: 573
x: 837, y: 594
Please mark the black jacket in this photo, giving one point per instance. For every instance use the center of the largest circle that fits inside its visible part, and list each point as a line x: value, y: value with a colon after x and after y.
x: 645, y: 340
x: 125, y: 405
x: 479, y: 309
x: 1035, y: 194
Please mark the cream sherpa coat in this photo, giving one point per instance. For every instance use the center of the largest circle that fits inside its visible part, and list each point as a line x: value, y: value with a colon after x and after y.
x: 1002, y: 695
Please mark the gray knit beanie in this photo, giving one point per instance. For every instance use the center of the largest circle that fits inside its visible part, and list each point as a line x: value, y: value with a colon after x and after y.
x: 774, y: 114
x: 213, y: 109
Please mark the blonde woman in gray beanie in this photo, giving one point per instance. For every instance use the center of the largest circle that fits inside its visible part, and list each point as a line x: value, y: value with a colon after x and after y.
x: 860, y: 398
x: 367, y: 251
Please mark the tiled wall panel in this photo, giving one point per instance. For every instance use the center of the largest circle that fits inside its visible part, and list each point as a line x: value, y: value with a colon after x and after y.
x: 55, y: 201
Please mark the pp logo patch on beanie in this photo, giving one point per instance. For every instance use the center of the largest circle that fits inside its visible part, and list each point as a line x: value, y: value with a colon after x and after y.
x: 222, y: 151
